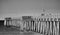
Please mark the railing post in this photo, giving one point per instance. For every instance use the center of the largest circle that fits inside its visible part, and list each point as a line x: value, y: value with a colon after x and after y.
x: 39, y: 26
x: 34, y: 25
x: 47, y: 30
x: 58, y: 28
x: 54, y: 28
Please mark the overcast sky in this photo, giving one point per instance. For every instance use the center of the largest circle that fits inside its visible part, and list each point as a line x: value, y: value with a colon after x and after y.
x: 17, y: 8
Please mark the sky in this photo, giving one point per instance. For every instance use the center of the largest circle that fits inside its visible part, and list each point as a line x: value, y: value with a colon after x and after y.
x: 17, y: 8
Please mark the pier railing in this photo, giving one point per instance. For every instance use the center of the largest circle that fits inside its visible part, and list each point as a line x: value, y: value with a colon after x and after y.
x: 46, y: 26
